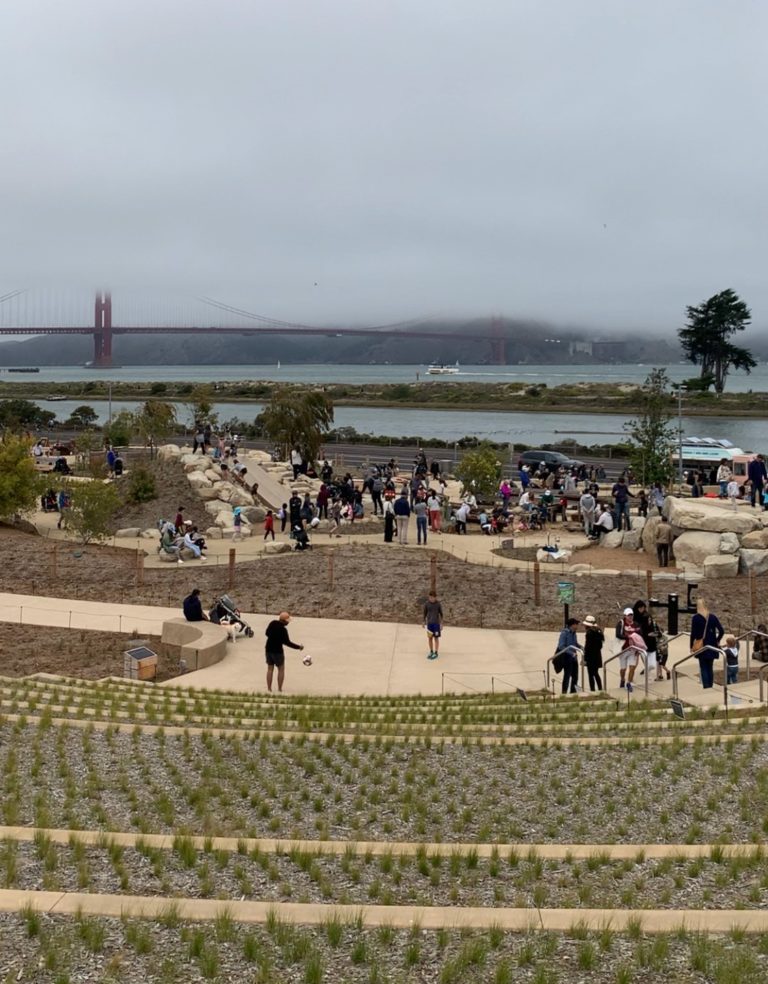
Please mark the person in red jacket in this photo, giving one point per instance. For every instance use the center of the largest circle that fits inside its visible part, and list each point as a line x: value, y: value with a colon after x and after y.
x: 269, y: 525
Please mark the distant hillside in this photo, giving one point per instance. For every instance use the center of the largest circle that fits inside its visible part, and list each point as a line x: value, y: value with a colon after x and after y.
x: 526, y: 342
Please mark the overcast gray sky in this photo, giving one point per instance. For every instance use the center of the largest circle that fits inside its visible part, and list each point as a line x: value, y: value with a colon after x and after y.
x: 586, y: 161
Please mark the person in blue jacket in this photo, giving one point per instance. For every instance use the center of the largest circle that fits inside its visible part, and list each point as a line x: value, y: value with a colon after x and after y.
x: 569, y: 646
x: 706, y: 633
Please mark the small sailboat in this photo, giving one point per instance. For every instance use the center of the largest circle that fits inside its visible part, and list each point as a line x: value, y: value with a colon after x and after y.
x: 278, y: 364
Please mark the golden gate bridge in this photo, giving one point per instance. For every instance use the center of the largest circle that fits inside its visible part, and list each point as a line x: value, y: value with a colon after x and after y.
x: 28, y: 312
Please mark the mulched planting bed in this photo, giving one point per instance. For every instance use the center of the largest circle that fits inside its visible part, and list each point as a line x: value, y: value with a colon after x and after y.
x: 173, y: 490
x: 70, y: 652
x: 518, y: 879
x: 86, y: 779
x: 371, y: 581
x: 59, y: 950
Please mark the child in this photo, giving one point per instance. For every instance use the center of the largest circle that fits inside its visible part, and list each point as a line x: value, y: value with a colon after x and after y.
x: 733, y: 492
x: 433, y: 623
x: 731, y: 659
x: 282, y: 515
x: 237, y: 524
x: 642, y: 504
x: 269, y: 525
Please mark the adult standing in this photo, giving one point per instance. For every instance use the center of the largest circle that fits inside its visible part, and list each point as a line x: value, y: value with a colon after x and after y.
x: 723, y: 477
x: 568, y: 645
x: 647, y: 629
x: 621, y: 496
x: 294, y: 509
x: 593, y: 651
x: 587, y: 506
x: 296, y: 462
x: 433, y: 508
x: 420, y: 512
x: 377, y: 487
x: 462, y: 515
x: 433, y: 623
x: 706, y: 633
x: 402, y: 515
x: 663, y: 541
x: 389, y: 520
x: 277, y: 638
x: 323, y: 495
x: 757, y: 476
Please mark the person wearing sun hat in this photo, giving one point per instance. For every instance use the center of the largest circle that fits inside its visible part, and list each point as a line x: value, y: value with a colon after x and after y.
x: 593, y: 651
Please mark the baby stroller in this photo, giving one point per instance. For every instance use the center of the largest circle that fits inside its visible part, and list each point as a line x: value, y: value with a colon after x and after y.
x: 225, y: 612
x: 61, y: 467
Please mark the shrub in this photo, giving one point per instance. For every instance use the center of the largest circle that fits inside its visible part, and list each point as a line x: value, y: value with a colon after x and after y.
x: 141, y: 486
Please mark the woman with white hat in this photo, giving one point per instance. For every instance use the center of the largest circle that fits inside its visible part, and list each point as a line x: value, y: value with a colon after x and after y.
x: 593, y: 651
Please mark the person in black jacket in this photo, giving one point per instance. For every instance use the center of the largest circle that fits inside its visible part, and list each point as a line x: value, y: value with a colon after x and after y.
x: 593, y: 651
x: 277, y: 637
x: 193, y: 607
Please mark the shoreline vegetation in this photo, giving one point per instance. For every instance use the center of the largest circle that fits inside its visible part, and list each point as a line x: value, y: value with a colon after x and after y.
x: 621, y: 398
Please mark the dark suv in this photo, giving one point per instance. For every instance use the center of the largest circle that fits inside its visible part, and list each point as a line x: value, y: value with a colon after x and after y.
x: 552, y: 459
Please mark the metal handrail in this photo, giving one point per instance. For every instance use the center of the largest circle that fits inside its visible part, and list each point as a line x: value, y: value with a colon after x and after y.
x: 551, y: 658
x: 641, y: 652
x: 750, y: 633
x: 698, y: 653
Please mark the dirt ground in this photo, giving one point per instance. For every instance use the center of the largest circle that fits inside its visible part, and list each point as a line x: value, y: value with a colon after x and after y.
x: 375, y: 582
x: 70, y: 652
x: 173, y: 491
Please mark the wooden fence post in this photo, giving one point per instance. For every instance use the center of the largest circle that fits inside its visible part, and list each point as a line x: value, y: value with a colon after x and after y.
x: 433, y: 574
x: 753, y: 594
x: 55, y: 560
x: 139, y: 568
x: 231, y: 567
x: 536, y: 584
x: 649, y: 584
x: 330, y: 570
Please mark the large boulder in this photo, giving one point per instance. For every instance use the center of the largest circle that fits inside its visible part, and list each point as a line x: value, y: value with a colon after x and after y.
x: 277, y: 548
x: 633, y: 539
x: 150, y: 534
x: 638, y: 523
x: 168, y: 452
x: 721, y: 565
x: 223, y: 517
x: 167, y: 558
x: 129, y: 531
x: 213, y: 533
x: 753, y: 561
x: 254, y: 514
x: 729, y: 543
x: 694, y: 547
x: 709, y: 515
x: 239, y: 497
x: 649, y: 533
x: 198, y: 480
x: 757, y: 540
x: 227, y: 531
x: 613, y: 539
x: 215, y: 506
x: 206, y: 493
x: 212, y: 474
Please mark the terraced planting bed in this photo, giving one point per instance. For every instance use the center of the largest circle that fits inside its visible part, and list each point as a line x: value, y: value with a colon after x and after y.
x: 441, y: 839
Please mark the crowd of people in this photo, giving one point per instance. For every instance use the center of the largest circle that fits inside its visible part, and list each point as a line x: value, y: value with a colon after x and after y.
x: 181, y: 534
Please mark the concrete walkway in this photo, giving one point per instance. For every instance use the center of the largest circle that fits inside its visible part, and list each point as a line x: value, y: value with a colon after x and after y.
x: 365, y: 658
x: 396, y: 916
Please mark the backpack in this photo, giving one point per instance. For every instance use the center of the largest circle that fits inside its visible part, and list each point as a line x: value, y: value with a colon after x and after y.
x: 620, y: 629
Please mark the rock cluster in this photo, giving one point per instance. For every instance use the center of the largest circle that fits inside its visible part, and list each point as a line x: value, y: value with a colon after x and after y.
x: 712, y: 539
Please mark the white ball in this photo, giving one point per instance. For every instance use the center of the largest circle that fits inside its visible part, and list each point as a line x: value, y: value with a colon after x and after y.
x: 307, y: 660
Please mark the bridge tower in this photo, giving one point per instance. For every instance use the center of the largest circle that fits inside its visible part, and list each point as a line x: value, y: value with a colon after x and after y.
x: 498, y: 342
x: 102, y: 329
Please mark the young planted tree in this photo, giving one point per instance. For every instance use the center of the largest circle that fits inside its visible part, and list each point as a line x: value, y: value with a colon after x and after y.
x: 706, y: 339
x: 119, y: 432
x: 479, y: 472
x: 200, y: 405
x: 92, y: 506
x: 297, y: 419
x: 651, y: 434
x: 18, y: 478
x: 155, y: 421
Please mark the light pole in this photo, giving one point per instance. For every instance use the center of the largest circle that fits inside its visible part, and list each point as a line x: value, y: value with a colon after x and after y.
x: 680, y: 390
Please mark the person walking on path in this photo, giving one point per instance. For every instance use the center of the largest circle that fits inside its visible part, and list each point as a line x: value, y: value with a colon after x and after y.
x: 402, y: 515
x: 433, y: 623
x: 277, y: 638
x: 269, y: 525
x: 663, y: 541
x: 568, y: 645
x: 706, y: 633
x: 420, y: 512
x: 593, y: 651
x: 757, y: 476
x: 389, y: 520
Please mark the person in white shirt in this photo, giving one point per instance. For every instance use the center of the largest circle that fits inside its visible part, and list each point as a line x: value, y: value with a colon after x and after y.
x: 587, y: 507
x: 190, y: 544
x: 604, y: 523
x: 723, y: 477
x: 462, y: 514
x: 296, y: 462
x: 433, y: 508
x: 733, y: 490
x: 525, y: 501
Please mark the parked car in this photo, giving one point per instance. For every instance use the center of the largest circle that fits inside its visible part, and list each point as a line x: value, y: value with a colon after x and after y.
x: 552, y: 459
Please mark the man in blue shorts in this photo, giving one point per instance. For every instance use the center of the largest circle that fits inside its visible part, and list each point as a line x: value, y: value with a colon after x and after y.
x: 433, y: 622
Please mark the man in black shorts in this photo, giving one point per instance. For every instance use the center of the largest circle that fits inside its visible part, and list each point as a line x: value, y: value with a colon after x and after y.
x: 277, y: 637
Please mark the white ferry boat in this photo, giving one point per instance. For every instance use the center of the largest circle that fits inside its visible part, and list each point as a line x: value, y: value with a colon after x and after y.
x: 440, y: 369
